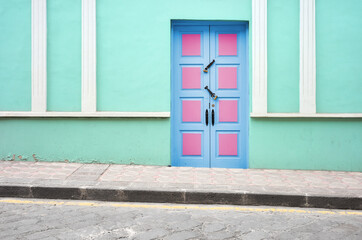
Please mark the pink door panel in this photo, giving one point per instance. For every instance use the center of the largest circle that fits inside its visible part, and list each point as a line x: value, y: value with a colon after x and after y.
x: 191, y: 45
x: 228, y: 144
x: 228, y: 110
x: 191, y: 77
x: 191, y: 110
x: 191, y: 144
x: 228, y: 44
x: 227, y: 77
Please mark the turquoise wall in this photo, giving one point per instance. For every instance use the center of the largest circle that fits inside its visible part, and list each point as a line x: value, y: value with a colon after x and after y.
x: 139, y: 141
x: 327, y: 144
x: 64, y: 55
x: 133, y: 74
x: 283, y: 56
x: 339, y: 56
x: 15, y: 55
x: 133, y: 48
x: 324, y: 144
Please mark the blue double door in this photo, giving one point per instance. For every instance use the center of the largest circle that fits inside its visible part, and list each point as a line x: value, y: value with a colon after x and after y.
x: 210, y: 108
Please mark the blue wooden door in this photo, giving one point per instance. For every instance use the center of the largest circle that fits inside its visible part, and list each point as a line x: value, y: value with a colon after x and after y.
x: 228, y: 78
x: 209, y: 131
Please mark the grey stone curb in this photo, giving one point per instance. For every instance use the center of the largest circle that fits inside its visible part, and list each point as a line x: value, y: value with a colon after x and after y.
x: 185, y: 197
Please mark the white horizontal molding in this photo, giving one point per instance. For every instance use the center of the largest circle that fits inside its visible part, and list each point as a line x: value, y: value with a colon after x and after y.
x: 306, y: 115
x: 87, y: 114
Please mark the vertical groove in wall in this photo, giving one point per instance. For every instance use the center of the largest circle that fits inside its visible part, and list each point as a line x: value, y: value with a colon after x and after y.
x: 88, y: 55
x: 38, y: 55
x: 307, y: 57
x: 259, y: 45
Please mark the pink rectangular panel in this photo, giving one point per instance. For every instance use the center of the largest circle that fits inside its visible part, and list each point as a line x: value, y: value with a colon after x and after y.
x: 228, y: 44
x: 191, y: 44
x: 227, y: 77
x: 191, y: 111
x: 191, y: 144
x: 228, y: 144
x: 191, y: 77
x: 228, y: 111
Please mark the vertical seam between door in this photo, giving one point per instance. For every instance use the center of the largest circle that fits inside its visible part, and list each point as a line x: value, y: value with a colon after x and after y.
x: 209, y: 81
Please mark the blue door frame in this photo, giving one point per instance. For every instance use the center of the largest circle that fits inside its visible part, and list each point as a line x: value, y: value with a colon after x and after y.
x: 208, y: 132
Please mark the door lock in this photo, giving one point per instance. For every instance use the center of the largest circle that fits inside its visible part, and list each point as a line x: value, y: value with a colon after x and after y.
x: 211, y: 93
x: 208, y: 66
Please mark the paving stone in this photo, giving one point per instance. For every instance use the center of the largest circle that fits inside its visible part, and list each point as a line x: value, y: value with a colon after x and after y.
x: 184, y: 225
x: 292, y: 182
x: 220, y: 235
x: 213, y: 227
x: 182, y: 235
x: 152, y: 234
x: 45, y: 234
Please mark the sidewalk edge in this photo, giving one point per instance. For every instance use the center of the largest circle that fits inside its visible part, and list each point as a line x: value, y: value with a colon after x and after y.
x: 184, y: 197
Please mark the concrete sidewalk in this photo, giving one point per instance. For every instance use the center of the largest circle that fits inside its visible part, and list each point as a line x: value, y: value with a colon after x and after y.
x: 134, y: 183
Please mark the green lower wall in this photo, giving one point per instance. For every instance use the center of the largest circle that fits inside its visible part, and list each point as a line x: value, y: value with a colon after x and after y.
x: 124, y: 141
x: 314, y: 144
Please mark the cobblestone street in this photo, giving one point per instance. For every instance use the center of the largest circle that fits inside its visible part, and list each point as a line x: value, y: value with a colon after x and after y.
x: 47, y: 219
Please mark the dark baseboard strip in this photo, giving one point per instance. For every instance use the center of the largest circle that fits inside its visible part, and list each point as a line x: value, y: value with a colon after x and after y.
x: 186, y: 197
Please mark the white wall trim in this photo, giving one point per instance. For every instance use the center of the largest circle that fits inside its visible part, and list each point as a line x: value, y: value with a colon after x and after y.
x: 89, y: 84
x: 307, y: 82
x: 38, y: 55
x: 87, y: 114
x: 306, y: 115
x: 259, y: 56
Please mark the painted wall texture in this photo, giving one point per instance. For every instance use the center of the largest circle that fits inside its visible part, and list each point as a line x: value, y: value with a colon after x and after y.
x: 339, y: 55
x: 133, y: 74
x: 324, y: 144
x: 133, y: 48
x: 64, y: 55
x: 283, y: 56
x: 328, y: 144
x: 15, y: 55
x: 126, y: 141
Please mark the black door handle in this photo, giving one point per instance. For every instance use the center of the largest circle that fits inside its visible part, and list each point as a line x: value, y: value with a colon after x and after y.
x: 211, y: 93
x: 207, y: 117
x: 212, y: 117
x: 207, y: 67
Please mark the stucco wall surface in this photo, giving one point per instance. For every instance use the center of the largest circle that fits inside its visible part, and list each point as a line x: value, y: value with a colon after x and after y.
x: 126, y: 141
x: 327, y: 144
x: 15, y: 55
x: 133, y: 74
x: 64, y: 55
x: 339, y: 55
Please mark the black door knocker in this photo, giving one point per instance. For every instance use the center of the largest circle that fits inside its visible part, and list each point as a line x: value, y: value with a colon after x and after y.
x: 208, y: 66
x: 211, y: 93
